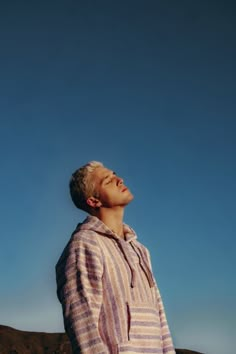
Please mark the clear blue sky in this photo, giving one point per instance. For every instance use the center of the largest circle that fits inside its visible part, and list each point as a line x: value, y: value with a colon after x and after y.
x: 148, y: 88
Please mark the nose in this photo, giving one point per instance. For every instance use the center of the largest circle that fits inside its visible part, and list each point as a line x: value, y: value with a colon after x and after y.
x: 119, y: 180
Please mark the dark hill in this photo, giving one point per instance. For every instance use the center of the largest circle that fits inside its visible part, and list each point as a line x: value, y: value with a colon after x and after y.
x: 13, y: 341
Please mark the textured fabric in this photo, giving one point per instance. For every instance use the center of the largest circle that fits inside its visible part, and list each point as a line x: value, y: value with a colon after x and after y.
x: 111, y: 303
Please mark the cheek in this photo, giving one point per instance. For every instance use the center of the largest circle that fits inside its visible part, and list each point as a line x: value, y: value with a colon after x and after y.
x: 105, y: 196
x: 108, y: 198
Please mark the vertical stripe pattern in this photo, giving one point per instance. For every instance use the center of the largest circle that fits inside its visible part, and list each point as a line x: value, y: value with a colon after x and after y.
x: 111, y: 303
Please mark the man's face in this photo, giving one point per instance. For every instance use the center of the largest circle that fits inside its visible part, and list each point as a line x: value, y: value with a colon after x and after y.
x: 110, y: 188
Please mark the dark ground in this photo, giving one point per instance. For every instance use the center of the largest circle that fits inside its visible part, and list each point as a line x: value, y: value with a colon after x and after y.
x: 13, y: 341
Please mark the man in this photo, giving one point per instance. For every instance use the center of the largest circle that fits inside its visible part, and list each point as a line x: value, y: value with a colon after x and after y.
x: 110, y: 300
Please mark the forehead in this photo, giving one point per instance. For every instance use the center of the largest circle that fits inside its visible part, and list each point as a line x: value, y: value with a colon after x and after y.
x: 101, y: 172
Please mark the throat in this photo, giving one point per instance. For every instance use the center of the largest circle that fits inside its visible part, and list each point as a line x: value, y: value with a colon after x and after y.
x: 119, y: 233
x: 114, y: 222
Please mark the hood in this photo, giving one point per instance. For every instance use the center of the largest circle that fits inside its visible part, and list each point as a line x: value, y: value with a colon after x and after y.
x: 95, y: 224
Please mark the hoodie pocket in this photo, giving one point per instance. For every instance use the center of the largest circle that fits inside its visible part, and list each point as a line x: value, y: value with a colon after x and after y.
x: 144, y: 330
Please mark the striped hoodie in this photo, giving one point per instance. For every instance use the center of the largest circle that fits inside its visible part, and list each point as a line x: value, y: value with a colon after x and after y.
x: 111, y: 303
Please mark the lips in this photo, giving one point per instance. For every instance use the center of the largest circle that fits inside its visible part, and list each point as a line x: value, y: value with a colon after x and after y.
x: 124, y: 189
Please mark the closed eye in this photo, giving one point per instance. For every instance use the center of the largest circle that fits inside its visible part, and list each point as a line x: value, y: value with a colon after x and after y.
x: 108, y: 179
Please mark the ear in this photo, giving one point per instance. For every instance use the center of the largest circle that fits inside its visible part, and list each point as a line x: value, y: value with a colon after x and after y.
x: 94, y: 202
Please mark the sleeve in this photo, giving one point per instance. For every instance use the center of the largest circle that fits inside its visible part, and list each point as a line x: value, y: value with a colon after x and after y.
x: 79, y: 289
x: 168, y: 347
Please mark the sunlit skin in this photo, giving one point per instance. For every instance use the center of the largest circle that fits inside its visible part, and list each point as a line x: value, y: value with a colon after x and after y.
x: 110, y: 200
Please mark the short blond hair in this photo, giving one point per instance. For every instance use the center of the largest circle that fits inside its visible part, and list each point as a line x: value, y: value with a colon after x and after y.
x: 82, y: 186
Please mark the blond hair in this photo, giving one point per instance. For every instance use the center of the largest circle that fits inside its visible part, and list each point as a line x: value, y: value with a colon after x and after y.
x: 82, y: 186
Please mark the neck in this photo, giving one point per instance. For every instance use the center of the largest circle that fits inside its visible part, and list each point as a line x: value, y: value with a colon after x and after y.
x: 112, y: 219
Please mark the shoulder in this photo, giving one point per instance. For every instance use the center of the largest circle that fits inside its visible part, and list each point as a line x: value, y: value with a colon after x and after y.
x: 83, y: 237
x: 80, y: 241
x: 141, y: 246
x: 144, y: 250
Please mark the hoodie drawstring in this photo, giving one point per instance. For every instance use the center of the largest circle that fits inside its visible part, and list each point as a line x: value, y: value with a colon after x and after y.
x: 143, y: 263
x: 126, y: 253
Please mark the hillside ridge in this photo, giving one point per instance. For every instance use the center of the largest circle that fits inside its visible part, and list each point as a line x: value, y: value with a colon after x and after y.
x: 16, y: 341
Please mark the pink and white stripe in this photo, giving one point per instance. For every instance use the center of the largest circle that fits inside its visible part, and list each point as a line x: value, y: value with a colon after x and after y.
x: 111, y: 303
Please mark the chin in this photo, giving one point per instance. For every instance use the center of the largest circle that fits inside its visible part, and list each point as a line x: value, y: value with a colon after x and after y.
x: 131, y: 198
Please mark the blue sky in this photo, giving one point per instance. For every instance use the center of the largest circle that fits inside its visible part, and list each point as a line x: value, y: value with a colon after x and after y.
x: 148, y: 88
